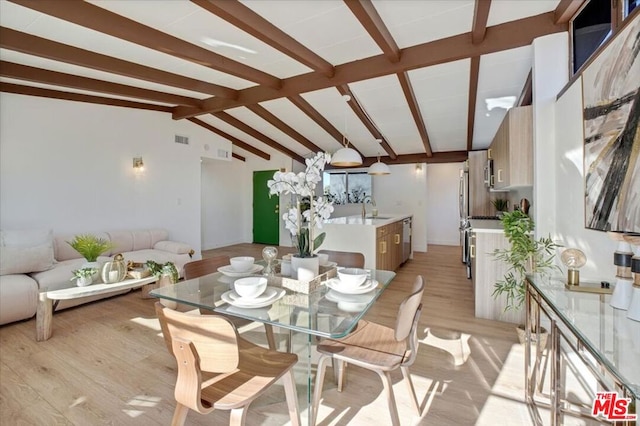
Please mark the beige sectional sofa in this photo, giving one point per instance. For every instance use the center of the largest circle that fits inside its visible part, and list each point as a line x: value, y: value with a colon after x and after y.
x: 35, y: 260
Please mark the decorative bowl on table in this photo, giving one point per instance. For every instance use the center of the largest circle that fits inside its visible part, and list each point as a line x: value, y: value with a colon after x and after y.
x: 242, y: 263
x: 250, y: 287
x: 352, y: 277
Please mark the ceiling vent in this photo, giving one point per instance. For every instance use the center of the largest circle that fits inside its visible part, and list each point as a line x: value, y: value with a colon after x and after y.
x: 184, y: 140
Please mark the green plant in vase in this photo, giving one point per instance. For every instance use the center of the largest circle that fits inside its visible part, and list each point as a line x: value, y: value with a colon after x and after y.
x: 83, y: 276
x: 90, y: 246
x: 160, y: 270
x: 500, y: 204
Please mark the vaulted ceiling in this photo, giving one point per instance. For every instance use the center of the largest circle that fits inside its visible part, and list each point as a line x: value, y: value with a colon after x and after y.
x: 272, y: 75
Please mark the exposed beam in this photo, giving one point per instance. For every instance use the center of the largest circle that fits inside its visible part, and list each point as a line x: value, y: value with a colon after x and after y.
x: 39, y: 75
x: 526, y: 96
x: 318, y: 118
x: 235, y: 141
x: 250, y: 22
x: 565, y: 10
x: 364, y: 117
x: 238, y: 156
x: 37, y: 46
x: 283, y: 127
x: 368, y: 16
x: 410, y: 96
x: 498, y: 37
x: 231, y: 120
x: 437, y: 157
x: 78, y: 97
x: 99, y: 19
x: 473, y: 97
x: 480, y: 17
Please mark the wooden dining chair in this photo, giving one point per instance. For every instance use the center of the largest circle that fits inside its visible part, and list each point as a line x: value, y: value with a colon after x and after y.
x: 218, y: 369
x: 199, y: 268
x: 345, y: 258
x: 378, y: 348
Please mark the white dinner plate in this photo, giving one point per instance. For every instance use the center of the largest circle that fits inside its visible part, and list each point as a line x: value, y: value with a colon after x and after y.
x: 260, y: 313
x: 230, y: 272
x: 335, y: 284
x: 232, y: 298
x: 330, y: 265
x: 335, y: 296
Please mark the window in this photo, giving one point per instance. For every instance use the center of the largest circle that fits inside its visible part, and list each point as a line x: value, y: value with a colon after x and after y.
x: 629, y: 6
x: 590, y: 28
x: 346, y: 187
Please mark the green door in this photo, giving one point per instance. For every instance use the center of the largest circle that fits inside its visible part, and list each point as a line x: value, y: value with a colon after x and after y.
x: 266, y: 210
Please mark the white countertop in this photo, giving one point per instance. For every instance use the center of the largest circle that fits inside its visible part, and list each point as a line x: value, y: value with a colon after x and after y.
x: 484, y: 225
x: 381, y: 220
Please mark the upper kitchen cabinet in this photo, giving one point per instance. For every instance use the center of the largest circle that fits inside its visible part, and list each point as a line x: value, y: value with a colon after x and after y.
x: 512, y: 150
x: 479, y: 203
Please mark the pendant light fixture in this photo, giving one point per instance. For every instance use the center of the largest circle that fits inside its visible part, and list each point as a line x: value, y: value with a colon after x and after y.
x: 346, y: 157
x: 379, y: 168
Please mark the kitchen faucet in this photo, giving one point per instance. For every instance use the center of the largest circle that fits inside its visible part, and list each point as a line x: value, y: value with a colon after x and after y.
x: 364, y: 209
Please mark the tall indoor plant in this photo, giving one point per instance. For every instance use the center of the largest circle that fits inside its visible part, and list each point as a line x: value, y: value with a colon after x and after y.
x: 301, y: 218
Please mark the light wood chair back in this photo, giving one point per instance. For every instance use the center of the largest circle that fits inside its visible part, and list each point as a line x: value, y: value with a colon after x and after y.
x: 345, y: 258
x: 377, y: 348
x: 198, y: 268
x: 217, y: 369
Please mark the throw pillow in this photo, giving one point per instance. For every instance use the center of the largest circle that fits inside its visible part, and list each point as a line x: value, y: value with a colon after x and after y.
x: 172, y: 247
x: 26, y: 237
x: 24, y: 260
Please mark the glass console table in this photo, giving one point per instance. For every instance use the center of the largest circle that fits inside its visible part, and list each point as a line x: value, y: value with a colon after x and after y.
x: 591, y: 348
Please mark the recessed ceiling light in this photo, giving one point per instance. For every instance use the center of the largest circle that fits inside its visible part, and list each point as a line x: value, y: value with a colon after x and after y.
x: 505, y: 102
x: 218, y: 43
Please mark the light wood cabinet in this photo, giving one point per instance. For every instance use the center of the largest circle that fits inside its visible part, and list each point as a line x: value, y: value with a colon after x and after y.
x: 512, y: 149
x: 479, y: 203
x: 389, y: 246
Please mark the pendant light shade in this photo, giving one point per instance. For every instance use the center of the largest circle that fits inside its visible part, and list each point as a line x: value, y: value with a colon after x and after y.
x: 379, y: 168
x: 346, y: 157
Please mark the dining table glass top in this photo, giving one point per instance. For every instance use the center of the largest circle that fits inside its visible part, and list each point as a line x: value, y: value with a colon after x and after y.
x: 323, y: 312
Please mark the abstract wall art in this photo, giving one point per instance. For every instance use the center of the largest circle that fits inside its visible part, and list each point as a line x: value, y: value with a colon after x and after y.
x: 611, y: 99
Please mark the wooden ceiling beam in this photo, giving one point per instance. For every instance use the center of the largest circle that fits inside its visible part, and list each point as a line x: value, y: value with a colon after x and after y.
x: 474, y: 71
x: 357, y: 108
x: 565, y: 10
x: 231, y: 120
x: 500, y: 37
x: 32, y: 45
x: 263, y: 113
x: 366, y: 13
x: 526, y: 96
x: 410, y: 96
x: 78, y: 97
x: 234, y: 141
x: 480, y: 18
x: 39, y: 75
x: 96, y: 18
x: 437, y: 157
x: 250, y: 22
x: 318, y: 118
x: 238, y: 156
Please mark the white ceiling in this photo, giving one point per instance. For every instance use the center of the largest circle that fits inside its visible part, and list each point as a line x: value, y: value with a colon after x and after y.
x: 332, y: 31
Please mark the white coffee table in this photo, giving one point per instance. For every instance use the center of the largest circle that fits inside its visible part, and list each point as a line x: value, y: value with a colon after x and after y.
x: 44, y: 314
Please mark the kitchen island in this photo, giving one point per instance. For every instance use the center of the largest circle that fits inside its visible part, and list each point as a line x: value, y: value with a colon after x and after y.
x: 383, y: 240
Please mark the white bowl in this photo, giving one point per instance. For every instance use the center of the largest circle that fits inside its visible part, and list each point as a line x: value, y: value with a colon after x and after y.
x: 250, y: 287
x: 242, y: 263
x: 352, y: 277
x: 323, y: 258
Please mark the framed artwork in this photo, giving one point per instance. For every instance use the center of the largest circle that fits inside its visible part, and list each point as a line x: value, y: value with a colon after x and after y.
x: 611, y: 99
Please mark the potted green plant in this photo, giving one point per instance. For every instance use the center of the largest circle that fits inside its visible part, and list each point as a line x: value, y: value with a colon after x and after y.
x: 167, y: 274
x: 83, y: 276
x: 501, y: 204
x: 90, y: 246
x: 525, y: 254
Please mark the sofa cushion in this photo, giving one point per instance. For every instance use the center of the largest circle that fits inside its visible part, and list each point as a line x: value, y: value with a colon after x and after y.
x: 60, y: 276
x: 173, y: 247
x: 25, y: 238
x: 23, y: 260
x: 18, y: 298
x: 63, y: 251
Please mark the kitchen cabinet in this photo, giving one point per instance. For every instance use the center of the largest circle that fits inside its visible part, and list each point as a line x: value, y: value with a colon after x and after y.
x: 389, y: 246
x: 486, y: 271
x: 479, y: 203
x: 512, y: 149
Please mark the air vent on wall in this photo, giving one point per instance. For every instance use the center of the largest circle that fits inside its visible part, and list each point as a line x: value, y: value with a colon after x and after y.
x: 223, y: 153
x: 182, y: 139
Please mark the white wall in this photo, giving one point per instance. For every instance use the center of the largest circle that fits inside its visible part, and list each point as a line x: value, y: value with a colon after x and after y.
x: 443, y: 218
x: 68, y: 166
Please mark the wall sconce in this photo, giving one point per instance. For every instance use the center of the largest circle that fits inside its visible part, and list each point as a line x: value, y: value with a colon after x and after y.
x: 138, y: 164
x: 418, y: 168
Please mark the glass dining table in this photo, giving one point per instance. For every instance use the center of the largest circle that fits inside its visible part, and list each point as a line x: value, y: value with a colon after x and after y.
x: 323, y: 313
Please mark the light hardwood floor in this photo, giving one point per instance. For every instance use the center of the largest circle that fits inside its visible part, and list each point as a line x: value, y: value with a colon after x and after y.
x: 106, y: 363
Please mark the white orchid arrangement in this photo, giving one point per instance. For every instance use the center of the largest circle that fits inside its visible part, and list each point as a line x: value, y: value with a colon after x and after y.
x: 301, y: 223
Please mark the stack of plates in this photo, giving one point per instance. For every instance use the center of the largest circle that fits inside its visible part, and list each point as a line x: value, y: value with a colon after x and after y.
x: 367, y: 286
x: 230, y: 272
x: 270, y: 295
x: 350, y: 302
